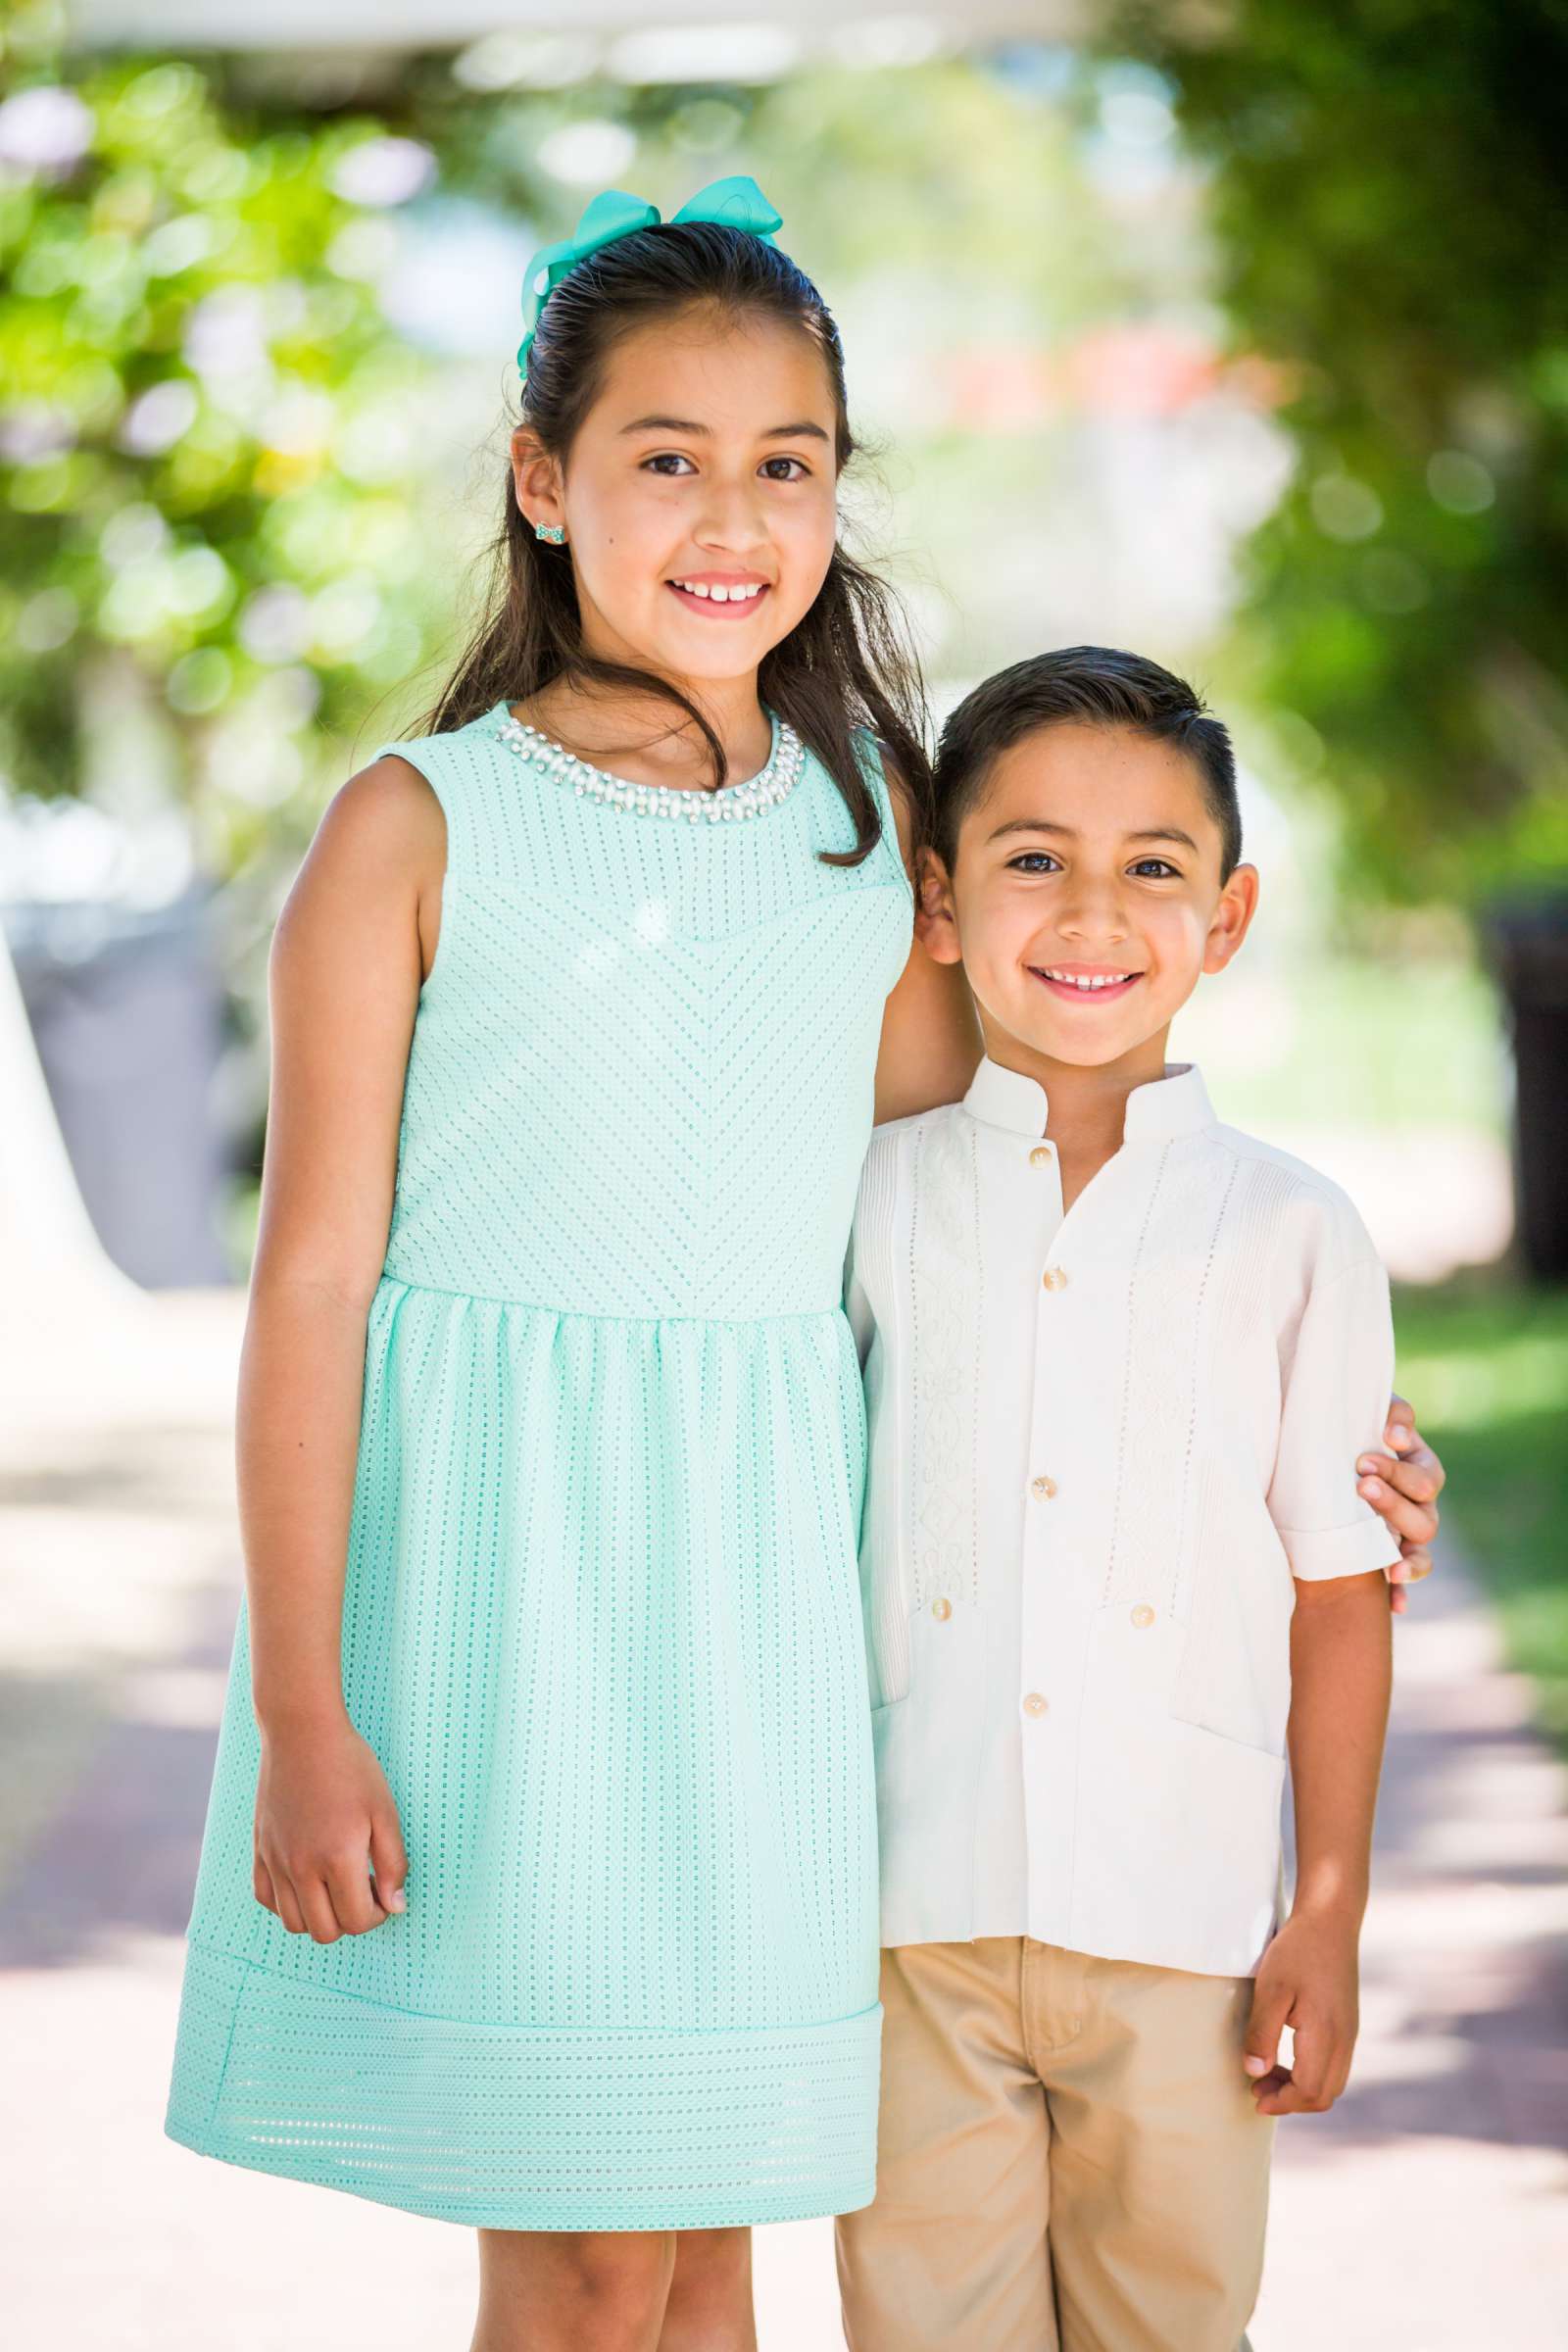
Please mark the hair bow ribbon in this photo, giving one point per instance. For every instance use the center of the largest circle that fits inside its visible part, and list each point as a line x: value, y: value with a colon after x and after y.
x: 734, y: 203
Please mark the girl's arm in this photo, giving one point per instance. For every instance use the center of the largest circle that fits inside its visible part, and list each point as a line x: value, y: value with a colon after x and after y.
x: 348, y: 953
x: 931, y: 1044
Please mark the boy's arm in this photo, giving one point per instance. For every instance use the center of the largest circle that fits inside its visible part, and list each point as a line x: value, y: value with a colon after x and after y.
x: 1340, y: 1669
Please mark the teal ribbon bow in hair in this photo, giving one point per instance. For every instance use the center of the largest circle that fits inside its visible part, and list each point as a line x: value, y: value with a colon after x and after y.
x: 734, y: 203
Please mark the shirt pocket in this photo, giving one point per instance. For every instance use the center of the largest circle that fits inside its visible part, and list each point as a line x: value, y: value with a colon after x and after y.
x: 1234, y: 1673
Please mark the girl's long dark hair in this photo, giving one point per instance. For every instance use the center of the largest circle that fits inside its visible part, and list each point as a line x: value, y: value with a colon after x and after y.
x: 848, y: 664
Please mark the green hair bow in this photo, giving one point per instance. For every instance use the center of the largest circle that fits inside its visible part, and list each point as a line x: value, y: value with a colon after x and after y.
x: 734, y: 203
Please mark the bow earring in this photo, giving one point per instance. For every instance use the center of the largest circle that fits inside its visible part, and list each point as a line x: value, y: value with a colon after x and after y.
x: 554, y: 532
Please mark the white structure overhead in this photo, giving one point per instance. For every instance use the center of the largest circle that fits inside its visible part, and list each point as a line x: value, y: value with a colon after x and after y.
x: 633, y: 41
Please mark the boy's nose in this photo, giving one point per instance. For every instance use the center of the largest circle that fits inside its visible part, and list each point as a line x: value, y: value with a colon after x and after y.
x: 1091, y: 925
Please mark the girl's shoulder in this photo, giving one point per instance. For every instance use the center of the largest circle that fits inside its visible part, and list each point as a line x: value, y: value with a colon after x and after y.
x: 459, y: 765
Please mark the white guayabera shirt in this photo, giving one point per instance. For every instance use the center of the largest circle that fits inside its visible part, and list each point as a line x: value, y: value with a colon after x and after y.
x: 1101, y: 1446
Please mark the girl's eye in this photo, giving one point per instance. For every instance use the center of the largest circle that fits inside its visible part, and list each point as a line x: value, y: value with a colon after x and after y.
x: 1163, y: 869
x: 1034, y: 861
x: 666, y: 461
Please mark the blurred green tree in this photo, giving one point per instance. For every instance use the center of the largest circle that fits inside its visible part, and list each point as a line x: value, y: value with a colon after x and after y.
x: 206, y: 426
x: 1391, y: 203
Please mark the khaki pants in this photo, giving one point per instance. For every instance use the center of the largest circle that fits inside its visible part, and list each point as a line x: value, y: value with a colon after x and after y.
x: 1069, y: 2158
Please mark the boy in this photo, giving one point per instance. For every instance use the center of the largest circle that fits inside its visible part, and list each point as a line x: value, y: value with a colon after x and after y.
x: 1120, y: 1361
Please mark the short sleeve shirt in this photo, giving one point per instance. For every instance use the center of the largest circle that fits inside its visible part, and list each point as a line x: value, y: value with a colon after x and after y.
x: 1101, y: 1446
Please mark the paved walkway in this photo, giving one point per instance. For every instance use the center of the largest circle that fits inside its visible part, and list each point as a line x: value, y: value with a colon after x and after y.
x: 1428, y: 2214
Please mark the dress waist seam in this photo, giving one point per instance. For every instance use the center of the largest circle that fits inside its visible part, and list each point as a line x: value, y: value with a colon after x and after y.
x: 579, y: 1314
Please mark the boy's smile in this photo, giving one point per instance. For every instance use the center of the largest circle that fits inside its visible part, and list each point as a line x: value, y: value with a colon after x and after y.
x: 1086, y: 898
x: 1085, y: 983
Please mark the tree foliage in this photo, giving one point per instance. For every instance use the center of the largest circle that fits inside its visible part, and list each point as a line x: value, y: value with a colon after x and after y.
x: 1391, y: 202
x: 205, y: 430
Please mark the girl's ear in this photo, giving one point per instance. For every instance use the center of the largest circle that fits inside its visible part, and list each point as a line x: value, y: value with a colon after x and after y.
x: 936, y: 923
x: 1232, y: 918
x: 535, y: 478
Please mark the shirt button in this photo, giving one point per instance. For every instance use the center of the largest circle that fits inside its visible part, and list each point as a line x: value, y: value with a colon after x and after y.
x: 1053, y: 1279
x: 1034, y: 1705
x: 1044, y: 1487
x: 1143, y: 1614
x: 941, y: 1609
x: 1040, y: 1157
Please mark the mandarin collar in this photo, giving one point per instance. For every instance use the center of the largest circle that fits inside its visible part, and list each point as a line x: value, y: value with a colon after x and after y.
x: 1176, y: 1104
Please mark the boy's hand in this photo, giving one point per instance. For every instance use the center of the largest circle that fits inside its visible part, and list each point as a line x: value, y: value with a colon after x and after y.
x: 1308, y: 1980
x: 1402, y: 1487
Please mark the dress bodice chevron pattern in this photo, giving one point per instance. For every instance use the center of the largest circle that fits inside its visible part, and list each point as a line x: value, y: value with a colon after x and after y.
x: 657, y: 1039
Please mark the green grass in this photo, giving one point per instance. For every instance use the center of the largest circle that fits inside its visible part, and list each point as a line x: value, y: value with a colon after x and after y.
x: 1486, y: 1367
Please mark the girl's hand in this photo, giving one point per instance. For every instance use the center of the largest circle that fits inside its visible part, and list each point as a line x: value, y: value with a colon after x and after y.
x: 1306, y: 1980
x: 1403, y: 1488
x: 324, y: 1817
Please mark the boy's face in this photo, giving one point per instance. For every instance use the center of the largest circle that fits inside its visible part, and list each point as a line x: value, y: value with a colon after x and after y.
x: 1090, y: 855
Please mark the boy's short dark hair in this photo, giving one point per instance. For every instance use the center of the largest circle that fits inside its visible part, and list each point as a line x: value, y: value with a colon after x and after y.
x: 1081, y: 685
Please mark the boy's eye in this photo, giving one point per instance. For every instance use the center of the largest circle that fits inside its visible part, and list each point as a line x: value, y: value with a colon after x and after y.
x: 1158, y: 869
x: 1034, y: 861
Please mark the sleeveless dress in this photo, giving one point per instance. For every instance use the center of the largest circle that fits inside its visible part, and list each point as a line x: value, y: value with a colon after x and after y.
x: 601, y: 1619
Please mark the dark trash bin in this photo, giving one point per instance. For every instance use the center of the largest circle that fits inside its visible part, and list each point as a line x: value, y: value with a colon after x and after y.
x: 1527, y: 946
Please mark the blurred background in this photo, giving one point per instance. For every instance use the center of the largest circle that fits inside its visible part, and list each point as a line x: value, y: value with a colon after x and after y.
x: 1232, y: 331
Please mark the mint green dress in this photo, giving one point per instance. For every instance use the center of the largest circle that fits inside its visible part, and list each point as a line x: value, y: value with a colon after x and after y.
x: 601, y: 1621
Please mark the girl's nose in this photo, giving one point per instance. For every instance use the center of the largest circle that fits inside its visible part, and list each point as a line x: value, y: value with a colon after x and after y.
x: 731, y: 517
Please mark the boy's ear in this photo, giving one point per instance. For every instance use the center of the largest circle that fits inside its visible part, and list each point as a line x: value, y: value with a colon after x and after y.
x: 1232, y: 918
x: 936, y: 923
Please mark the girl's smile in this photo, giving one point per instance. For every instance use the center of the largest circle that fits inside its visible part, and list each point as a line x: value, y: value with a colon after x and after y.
x: 721, y: 596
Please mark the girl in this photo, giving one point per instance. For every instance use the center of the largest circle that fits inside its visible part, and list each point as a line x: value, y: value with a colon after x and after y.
x: 550, y: 1419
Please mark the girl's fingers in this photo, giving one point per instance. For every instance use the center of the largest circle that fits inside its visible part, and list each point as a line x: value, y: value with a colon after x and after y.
x: 1418, y: 1476
x: 351, y: 1891
x: 1408, y: 1569
x: 1412, y: 1522
x: 289, y: 1907
x: 262, y: 1883
x: 389, y: 1861
x: 320, y: 1920
x: 1406, y: 1441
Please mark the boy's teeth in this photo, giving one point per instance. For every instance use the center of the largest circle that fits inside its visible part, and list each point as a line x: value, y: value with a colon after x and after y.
x: 1082, y: 980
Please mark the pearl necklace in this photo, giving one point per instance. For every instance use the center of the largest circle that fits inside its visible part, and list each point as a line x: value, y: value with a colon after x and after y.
x: 763, y: 791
